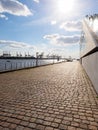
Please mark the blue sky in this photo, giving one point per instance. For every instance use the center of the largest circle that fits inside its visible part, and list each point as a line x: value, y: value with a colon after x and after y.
x: 49, y: 26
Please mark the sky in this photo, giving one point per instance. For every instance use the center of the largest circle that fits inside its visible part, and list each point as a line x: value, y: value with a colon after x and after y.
x: 49, y: 26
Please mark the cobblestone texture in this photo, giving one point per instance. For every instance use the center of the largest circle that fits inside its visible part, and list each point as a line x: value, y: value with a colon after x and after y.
x: 55, y: 97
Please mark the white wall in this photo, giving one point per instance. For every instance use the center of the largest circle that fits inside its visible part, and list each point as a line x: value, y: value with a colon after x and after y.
x: 90, y: 64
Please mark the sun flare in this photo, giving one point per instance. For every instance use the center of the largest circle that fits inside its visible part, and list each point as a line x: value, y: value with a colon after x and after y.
x: 65, y: 6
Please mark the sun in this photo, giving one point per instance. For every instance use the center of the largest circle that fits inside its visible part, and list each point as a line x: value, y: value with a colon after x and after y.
x: 65, y: 6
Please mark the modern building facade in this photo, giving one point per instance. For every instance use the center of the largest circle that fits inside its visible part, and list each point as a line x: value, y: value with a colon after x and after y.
x: 89, y: 48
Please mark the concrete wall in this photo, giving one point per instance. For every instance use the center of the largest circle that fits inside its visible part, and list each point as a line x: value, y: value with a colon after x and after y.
x: 90, y: 64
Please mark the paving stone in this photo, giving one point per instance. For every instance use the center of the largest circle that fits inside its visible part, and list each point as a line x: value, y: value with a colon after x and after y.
x: 1, y: 128
x: 12, y: 126
x: 26, y: 118
x: 86, y: 122
x: 66, y: 122
x: 46, y: 123
x: 10, y: 120
x: 49, y: 119
x: 16, y: 121
x: 78, y: 120
x: 80, y: 129
x: 20, y: 117
x: 55, y: 125
x: 68, y: 118
x: 27, y: 128
x: 63, y: 127
x: 57, y: 120
x: 39, y: 121
x: 54, y: 97
x: 90, y: 118
x: 71, y: 128
x: 84, y: 126
x: 77, y: 116
x: 32, y: 125
x: 5, y: 124
x: 32, y: 119
x: 56, y: 129
x: 24, y: 123
x: 19, y: 128
x: 40, y: 127
x: 48, y: 128
x: 94, y: 124
x: 91, y: 127
x: 75, y: 124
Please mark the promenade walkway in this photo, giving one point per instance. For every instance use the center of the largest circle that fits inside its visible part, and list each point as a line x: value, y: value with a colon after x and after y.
x: 54, y: 97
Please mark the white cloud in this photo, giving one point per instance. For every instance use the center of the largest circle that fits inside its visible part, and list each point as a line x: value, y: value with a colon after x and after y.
x: 53, y: 22
x: 3, y: 16
x: 62, y: 40
x: 37, y: 1
x: 14, y: 7
x: 52, y: 36
x: 71, y: 26
x: 15, y: 44
x: 43, y: 20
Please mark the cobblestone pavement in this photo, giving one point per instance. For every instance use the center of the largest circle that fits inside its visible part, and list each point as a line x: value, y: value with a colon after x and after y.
x: 54, y: 97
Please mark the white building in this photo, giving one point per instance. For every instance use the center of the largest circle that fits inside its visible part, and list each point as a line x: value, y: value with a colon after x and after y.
x: 89, y: 49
